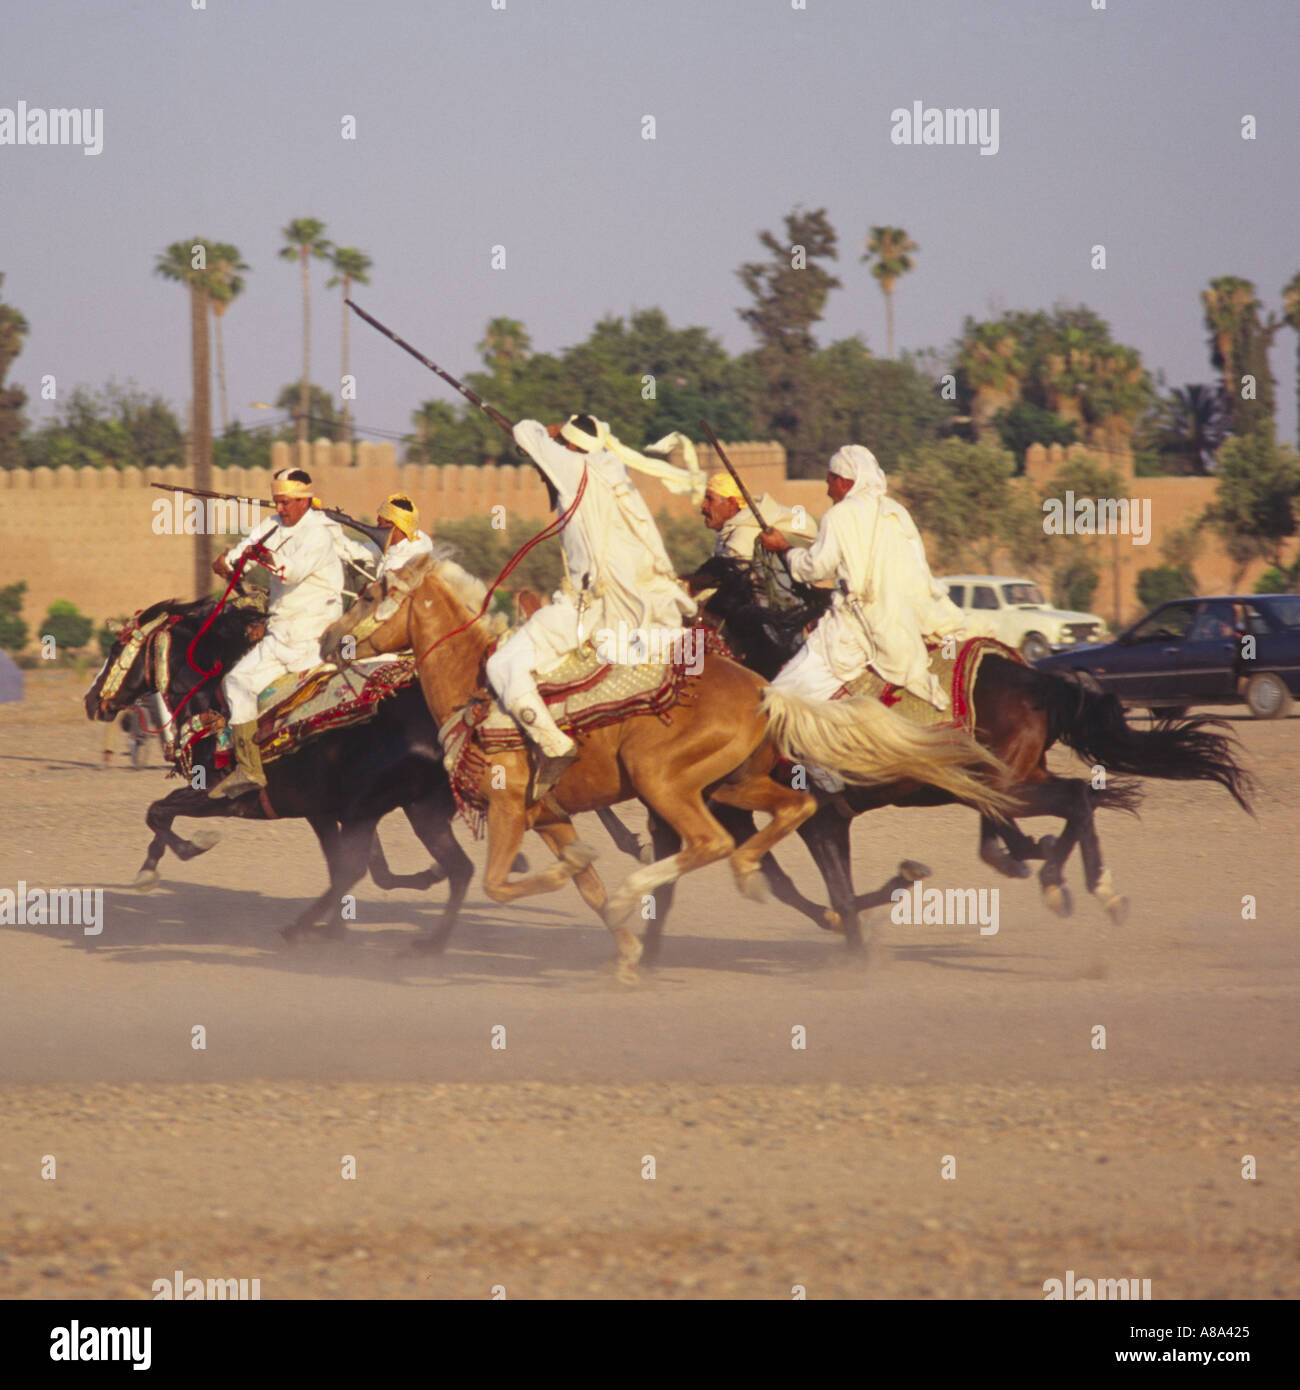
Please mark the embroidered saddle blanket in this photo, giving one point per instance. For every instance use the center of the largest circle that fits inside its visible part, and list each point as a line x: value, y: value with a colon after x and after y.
x: 584, y: 692
x: 956, y: 675
x: 295, y: 709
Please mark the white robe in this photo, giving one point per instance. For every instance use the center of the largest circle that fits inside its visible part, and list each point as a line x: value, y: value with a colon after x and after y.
x: 736, y: 536
x: 872, y: 545
x: 306, y: 597
x: 618, y: 575
x: 402, y: 552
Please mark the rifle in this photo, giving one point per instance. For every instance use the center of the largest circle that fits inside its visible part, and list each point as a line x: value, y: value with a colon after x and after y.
x: 490, y: 411
x: 376, y: 533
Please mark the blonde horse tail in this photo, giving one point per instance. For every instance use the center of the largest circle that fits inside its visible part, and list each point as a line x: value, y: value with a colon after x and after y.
x: 865, y: 742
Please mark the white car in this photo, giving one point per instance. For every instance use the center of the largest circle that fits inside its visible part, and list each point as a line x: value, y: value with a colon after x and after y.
x: 1015, y: 612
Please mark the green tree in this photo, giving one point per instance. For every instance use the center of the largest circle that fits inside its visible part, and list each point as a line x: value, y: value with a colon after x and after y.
x: 241, y: 448
x: 686, y: 539
x: 321, y: 412
x: 1161, y: 583
x: 349, y: 265
x: 1182, y: 430
x: 225, y: 285
x: 1074, y: 583
x: 305, y: 240
x: 186, y: 263
x: 892, y: 407
x: 888, y: 252
x: 13, y: 329
x: 13, y: 630
x: 1024, y: 424
x: 1253, y: 510
x: 1239, y: 347
x: 117, y: 427
x: 963, y: 496
x: 69, y: 627
x: 1290, y: 316
x: 789, y: 291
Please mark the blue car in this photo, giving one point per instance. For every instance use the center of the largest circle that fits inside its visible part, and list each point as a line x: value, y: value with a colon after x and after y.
x: 1199, y: 651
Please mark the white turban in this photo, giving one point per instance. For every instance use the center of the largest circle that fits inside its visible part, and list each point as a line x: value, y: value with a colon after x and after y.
x: 858, y: 463
x: 588, y: 443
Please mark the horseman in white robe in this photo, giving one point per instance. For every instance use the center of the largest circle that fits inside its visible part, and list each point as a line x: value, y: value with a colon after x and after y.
x: 304, y: 553
x: 617, y: 576
x: 406, y: 542
x: 887, y: 603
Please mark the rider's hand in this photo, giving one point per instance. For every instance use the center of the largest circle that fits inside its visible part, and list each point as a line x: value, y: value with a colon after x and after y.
x: 773, y: 540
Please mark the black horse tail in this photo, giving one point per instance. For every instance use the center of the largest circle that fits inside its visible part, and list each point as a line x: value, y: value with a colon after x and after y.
x: 1178, y: 750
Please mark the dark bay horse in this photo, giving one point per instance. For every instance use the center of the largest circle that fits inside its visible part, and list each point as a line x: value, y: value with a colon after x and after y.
x: 1020, y: 714
x: 342, y: 783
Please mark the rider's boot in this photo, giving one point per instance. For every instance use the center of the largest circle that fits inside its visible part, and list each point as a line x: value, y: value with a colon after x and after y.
x: 248, y: 775
x: 556, y: 751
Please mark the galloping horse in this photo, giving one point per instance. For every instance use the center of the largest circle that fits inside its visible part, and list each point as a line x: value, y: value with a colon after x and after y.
x: 342, y: 783
x: 1019, y: 714
x: 722, y: 742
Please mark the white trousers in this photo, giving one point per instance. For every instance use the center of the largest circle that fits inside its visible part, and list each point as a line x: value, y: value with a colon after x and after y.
x: 540, y: 644
x: 254, y: 671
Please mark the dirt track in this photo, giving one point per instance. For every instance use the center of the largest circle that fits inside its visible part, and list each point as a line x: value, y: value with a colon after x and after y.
x: 523, y: 1167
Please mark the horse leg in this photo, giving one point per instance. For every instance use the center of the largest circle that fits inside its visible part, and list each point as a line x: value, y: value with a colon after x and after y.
x: 558, y: 836
x: 909, y: 872
x: 826, y: 833
x: 1008, y: 861
x: 740, y: 825
x: 346, y: 847
x: 1095, y: 874
x: 386, y: 879
x: 431, y: 820
x: 752, y: 789
x: 621, y: 835
x: 185, y: 801
x: 1057, y: 796
x: 664, y: 841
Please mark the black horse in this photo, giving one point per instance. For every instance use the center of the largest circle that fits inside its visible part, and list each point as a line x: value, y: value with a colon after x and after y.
x: 1020, y: 713
x: 342, y: 783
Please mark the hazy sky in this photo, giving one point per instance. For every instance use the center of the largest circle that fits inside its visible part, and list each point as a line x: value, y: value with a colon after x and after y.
x: 522, y: 127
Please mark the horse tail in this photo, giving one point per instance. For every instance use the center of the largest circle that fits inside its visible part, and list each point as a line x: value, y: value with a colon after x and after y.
x: 1177, y: 750
x: 866, y: 743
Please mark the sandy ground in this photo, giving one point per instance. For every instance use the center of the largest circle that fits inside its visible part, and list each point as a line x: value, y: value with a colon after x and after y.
x: 527, y: 1167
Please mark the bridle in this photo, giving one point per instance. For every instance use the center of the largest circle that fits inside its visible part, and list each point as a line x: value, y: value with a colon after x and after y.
x: 153, y: 639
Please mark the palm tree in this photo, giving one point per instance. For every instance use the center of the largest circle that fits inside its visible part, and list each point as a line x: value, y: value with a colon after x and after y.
x: 226, y: 284
x: 992, y: 360
x: 176, y: 263
x: 349, y: 265
x: 890, y: 248
x: 1291, y: 317
x: 305, y: 238
x: 1228, y: 304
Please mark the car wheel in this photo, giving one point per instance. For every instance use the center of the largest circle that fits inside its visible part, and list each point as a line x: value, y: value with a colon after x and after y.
x: 1169, y: 711
x: 1034, y: 647
x: 1267, y: 696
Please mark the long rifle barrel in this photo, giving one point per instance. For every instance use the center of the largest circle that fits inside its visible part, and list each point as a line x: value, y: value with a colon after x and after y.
x: 490, y: 411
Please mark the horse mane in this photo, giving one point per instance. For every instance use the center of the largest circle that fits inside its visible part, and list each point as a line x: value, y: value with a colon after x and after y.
x: 465, y: 587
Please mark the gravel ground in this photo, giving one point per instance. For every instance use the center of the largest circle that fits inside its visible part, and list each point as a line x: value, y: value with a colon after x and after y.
x: 528, y: 1167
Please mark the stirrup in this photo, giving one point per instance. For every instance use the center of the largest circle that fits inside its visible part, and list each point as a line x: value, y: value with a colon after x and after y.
x: 547, y: 771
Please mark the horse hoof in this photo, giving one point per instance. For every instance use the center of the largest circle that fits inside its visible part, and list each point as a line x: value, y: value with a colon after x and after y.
x: 578, y: 856
x: 205, y: 837
x: 1117, y: 909
x: 1017, y: 868
x: 913, y: 870
x: 1056, y: 896
x: 832, y: 921
x: 752, y: 885
x: 146, y: 881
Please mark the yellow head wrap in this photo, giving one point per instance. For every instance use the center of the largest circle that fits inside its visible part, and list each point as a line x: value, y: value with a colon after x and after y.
x: 291, y: 482
x: 401, y: 511
x: 724, y: 485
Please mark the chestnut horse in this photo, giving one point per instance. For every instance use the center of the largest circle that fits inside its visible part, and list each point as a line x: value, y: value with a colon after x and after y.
x: 722, y: 742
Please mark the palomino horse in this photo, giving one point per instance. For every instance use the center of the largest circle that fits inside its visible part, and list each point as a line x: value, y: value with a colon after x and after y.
x: 1019, y: 713
x: 722, y: 742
